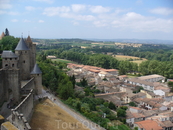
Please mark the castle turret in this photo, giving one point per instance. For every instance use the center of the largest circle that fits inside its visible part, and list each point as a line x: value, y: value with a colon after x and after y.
x: 37, y: 74
x: 23, y: 52
x: 32, y: 48
x: 11, y: 76
x: 9, y: 59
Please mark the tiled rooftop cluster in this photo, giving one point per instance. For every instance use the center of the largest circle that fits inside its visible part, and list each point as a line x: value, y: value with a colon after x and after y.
x: 154, y: 110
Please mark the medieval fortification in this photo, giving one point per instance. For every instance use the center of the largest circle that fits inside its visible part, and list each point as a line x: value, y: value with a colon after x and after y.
x: 20, y: 80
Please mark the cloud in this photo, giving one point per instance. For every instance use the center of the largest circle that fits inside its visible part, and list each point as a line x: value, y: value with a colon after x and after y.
x: 14, y: 20
x: 100, y: 23
x: 46, y: 1
x: 41, y: 21
x: 121, y: 19
x: 2, y: 12
x: 9, y: 13
x: 99, y: 9
x: 78, y: 7
x: 13, y: 13
x: 138, y: 23
x: 75, y: 23
x: 4, y: 4
x: 162, y: 11
x: 139, y: 2
x: 26, y: 21
x: 30, y: 8
x: 53, y: 11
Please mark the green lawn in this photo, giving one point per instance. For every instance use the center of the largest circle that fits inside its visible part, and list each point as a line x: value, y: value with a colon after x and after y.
x: 62, y: 60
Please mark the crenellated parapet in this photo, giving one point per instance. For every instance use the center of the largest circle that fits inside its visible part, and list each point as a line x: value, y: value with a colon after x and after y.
x: 21, y: 115
x: 20, y: 121
x: 26, y: 88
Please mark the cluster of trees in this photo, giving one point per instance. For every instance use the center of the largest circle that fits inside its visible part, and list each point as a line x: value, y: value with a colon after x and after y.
x: 98, y: 110
x: 8, y: 43
x: 99, y: 60
x: 55, y: 79
x: 164, y: 68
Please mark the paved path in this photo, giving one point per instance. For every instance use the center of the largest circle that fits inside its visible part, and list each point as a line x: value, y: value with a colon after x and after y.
x: 89, y: 124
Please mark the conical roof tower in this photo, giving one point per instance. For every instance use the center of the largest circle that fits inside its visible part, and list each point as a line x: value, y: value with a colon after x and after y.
x: 21, y: 45
x: 36, y: 70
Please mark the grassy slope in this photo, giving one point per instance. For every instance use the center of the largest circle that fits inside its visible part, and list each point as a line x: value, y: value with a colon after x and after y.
x: 48, y: 116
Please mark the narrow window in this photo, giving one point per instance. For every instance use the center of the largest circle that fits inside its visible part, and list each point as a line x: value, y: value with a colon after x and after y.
x: 24, y: 61
x: 6, y: 65
x: 12, y: 65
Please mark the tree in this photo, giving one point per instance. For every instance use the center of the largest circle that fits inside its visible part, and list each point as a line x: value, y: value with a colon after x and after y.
x: 84, y: 82
x: 132, y: 104
x: 121, y: 112
x: 7, y: 32
x: 66, y: 90
x: 112, y: 106
x: 72, y: 78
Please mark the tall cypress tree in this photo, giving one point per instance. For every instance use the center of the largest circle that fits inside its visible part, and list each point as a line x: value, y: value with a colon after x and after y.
x: 7, y: 32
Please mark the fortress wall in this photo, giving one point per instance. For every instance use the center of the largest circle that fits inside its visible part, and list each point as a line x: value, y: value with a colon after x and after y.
x: 26, y: 106
x: 28, y: 86
x: 3, y: 87
x: 13, y: 82
x: 22, y: 114
x: 20, y: 121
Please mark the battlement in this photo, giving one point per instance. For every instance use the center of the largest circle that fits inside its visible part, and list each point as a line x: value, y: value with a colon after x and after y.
x: 23, y: 112
x: 25, y: 89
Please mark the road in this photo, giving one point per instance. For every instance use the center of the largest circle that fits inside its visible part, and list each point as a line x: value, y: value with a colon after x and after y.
x: 89, y: 124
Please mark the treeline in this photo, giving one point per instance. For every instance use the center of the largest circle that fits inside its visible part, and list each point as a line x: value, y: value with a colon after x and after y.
x: 164, y: 68
x: 8, y: 43
x: 99, y: 60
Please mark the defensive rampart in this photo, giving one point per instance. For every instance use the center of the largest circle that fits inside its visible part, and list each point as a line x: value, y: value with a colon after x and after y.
x: 22, y: 114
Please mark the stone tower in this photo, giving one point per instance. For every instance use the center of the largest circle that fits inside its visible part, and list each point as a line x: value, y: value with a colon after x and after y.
x: 11, y: 74
x: 23, y: 53
x: 32, y: 48
x: 37, y: 74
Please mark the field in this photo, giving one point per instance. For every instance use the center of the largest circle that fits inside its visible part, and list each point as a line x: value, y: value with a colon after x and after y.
x: 135, y: 59
x: 48, y: 116
x: 62, y: 60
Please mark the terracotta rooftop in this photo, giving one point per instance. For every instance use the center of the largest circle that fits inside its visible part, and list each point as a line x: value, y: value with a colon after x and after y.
x: 149, y: 125
x: 137, y: 108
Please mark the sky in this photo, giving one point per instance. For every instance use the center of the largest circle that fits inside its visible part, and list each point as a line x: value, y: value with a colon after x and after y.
x: 98, y: 19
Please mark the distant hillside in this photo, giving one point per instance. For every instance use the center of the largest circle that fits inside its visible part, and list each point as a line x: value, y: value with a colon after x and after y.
x: 77, y: 40
x: 57, y: 41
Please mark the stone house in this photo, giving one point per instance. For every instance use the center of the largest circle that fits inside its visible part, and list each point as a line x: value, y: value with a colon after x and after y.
x: 146, y: 85
x: 152, y: 78
x: 149, y: 94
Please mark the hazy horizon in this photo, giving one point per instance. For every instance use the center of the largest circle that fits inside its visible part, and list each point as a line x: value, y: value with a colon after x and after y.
x: 98, y: 19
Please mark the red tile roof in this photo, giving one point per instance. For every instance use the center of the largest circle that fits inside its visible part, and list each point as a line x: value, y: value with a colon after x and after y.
x: 149, y: 125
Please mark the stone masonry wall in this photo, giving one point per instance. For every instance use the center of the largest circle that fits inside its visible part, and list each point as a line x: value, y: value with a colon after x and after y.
x: 28, y: 86
x: 22, y: 114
